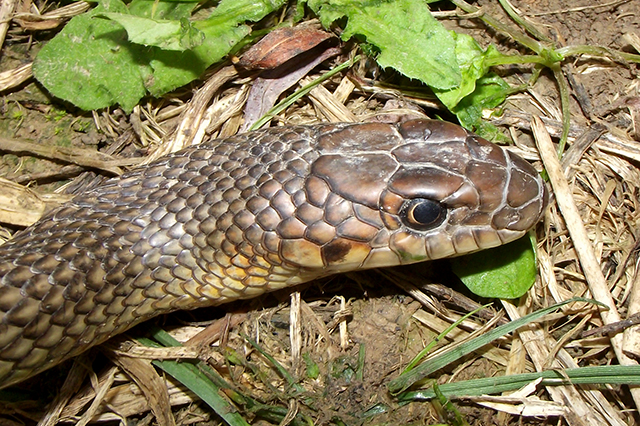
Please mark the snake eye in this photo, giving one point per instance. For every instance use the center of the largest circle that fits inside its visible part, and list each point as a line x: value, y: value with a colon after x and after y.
x: 422, y: 214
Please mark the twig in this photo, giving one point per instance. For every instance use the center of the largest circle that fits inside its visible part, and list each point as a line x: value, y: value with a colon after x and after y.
x: 295, y: 329
x: 590, y: 265
x: 7, y: 7
x: 82, y: 157
x: 516, y: 35
x: 15, y: 77
x: 608, y: 142
x: 191, y: 128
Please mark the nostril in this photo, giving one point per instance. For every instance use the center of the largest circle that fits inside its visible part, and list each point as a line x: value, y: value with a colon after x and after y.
x: 505, y: 218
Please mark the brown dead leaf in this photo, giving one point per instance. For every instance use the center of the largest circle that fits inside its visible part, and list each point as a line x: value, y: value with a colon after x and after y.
x: 151, y: 385
x: 281, y: 45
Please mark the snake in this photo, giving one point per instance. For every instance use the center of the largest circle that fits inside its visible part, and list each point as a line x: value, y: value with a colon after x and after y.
x: 233, y: 218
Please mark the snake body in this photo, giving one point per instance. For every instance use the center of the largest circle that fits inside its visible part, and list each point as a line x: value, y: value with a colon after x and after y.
x: 234, y: 218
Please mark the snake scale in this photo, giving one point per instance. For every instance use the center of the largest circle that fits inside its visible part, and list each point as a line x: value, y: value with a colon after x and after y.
x: 234, y: 218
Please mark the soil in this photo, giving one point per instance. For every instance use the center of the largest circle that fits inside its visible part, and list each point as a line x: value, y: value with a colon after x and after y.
x: 382, y: 331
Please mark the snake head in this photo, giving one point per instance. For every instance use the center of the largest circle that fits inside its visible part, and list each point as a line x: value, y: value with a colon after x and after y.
x: 456, y: 193
x: 421, y: 190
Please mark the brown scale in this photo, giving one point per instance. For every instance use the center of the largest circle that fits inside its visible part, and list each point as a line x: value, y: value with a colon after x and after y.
x: 233, y: 218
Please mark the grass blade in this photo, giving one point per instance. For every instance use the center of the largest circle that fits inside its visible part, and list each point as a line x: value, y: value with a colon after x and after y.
x: 434, y: 364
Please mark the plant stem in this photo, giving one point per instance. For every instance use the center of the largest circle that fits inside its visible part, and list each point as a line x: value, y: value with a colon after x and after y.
x: 599, y: 51
x: 508, y: 8
x: 564, y: 104
x: 523, y: 39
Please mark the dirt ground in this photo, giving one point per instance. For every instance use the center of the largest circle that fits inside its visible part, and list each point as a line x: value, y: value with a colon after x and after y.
x: 359, y: 331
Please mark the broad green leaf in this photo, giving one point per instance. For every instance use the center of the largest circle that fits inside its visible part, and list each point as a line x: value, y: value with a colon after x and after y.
x: 505, y: 272
x: 244, y: 10
x: 469, y: 57
x: 93, y: 63
x: 407, y: 36
x: 472, y: 62
x: 167, y: 76
x: 491, y: 90
x: 168, y: 35
x: 222, y: 30
x: 410, y: 40
x: 90, y: 64
x: 479, y: 89
x: 166, y: 9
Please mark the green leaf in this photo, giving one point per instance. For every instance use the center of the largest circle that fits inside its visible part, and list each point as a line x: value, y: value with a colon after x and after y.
x: 407, y: 36
x: 93, y: 63
x: 165, y: 34
x: 166, y: 9
x: 313, y: 370
x: 471, y: 67
x: 479, y: 89
x: 244, y: 10
x: 90, y: 64
x: 491, y: 90
x: 472, y: 61
x: 173, y: 69
x: 505, y: 272
x: 410, y: 40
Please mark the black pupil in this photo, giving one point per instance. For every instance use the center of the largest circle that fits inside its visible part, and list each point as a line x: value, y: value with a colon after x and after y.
x: 426, y: 212
x: 423, y: 214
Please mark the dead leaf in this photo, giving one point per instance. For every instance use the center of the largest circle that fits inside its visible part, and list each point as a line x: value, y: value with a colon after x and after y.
x: 281, y: 45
